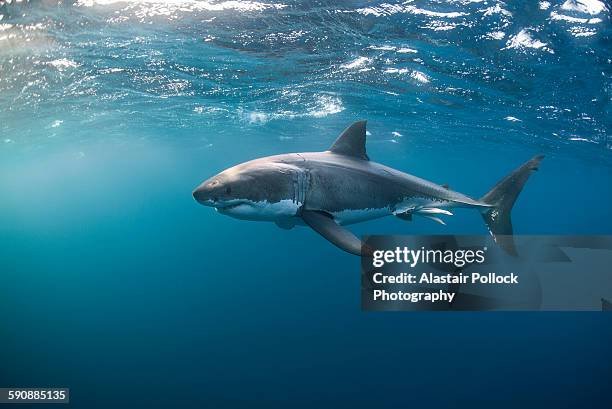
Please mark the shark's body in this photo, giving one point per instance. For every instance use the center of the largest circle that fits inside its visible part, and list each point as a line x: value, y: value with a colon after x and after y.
x: 327, y: 190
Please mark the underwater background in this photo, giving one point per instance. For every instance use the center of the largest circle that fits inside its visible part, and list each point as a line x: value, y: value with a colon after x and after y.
x: 116, y: 283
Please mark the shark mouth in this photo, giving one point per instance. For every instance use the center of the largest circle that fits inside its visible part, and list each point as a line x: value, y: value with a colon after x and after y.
x: 226, y: 206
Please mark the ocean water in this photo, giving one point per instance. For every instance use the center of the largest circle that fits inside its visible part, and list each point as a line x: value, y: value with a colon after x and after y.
x: 116, y: 283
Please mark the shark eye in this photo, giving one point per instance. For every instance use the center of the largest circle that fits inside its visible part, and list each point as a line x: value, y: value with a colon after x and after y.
x: 228, y: 190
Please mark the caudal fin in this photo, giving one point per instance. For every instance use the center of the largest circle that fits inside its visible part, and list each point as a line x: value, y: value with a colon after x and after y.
x: 502, y: 196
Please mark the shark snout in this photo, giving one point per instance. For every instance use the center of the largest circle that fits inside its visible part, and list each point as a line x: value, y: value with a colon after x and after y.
x: 204, y: 195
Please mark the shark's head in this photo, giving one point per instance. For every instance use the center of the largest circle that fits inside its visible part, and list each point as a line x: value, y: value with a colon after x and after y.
x: 257, y: 190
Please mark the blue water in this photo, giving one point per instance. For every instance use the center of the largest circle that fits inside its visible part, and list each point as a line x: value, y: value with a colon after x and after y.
x: 115, y: 283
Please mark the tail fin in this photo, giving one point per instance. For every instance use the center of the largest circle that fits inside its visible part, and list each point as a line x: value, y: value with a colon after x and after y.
x: 502, y: 196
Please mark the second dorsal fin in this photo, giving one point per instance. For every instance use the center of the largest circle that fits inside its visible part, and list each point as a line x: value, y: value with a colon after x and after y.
x: 351, y: 141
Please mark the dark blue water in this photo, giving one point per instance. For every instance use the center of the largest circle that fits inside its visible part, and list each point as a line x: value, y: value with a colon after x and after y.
x: 115, y: 283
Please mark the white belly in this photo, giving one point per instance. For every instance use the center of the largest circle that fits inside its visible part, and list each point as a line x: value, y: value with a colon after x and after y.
x: 264, y: 211
x: 351, y: 216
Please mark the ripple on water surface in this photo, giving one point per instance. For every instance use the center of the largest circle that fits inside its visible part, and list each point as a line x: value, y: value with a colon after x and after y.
x: 445, y: 67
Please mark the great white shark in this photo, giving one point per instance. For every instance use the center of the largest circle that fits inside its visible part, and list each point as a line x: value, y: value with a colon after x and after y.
x: 341, y: 186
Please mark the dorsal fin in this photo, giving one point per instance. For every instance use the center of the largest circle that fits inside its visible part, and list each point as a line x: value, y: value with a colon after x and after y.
x: 351, y: 142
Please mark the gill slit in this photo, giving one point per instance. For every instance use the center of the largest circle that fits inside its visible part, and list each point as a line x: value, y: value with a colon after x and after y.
x: 301, y: 184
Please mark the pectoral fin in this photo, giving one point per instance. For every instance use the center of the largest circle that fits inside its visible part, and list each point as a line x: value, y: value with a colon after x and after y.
x: 325, y: 225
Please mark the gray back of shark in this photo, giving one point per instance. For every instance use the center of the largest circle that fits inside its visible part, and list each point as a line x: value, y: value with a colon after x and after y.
x: 341, y: 186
